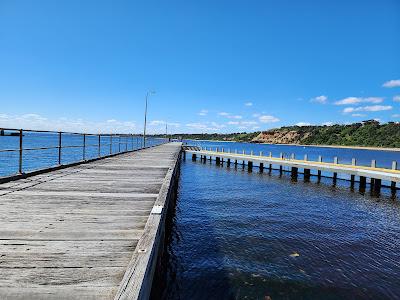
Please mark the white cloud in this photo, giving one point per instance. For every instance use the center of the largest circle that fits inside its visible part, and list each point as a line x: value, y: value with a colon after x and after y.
x: 348, y: 110
x: 229, y: 116
x: 247, y: 123
x: 206, y: 126
x: 357, y: 100
x: 268, y: 119
x: 38, y: 122
x: 174, y: 124
x: 392, y: 83
x: 233, y: 123
x: 256, y: 115
x: 197, y: 125
x: 320, y: 99
x: 367, y: 108
x: 358, y: 115
x: 396, y: 116
x: 396, y: 98
x: 203, y: 112
x: 157, y: 123
x: 327, y: 124
x: 248, y: 104
x: 303, y: 124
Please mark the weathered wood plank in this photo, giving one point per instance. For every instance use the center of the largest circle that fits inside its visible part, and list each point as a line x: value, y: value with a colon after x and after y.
x: 71, y: 233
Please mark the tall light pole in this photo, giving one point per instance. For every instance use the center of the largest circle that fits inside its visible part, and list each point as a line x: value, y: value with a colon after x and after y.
x: 145, y: 118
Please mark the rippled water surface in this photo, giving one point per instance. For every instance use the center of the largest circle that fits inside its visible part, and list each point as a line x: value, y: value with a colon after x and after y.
x: 240, y: 235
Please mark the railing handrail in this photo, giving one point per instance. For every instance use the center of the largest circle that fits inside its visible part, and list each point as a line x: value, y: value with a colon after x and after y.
x: 71, y: 132
x: 123, y: 139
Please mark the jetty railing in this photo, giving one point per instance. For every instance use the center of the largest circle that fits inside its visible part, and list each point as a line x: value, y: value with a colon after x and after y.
x: 374, y: 173
x: 24, y: 150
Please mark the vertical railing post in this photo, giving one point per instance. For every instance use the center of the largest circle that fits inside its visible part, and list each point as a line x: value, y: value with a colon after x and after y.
x: 84, y: 147
x: 119, y: 143
x: 99, y: 145
x: 21, y: 133
x: 110, y: 144
x: 59, y: 147
x: 126, y: 143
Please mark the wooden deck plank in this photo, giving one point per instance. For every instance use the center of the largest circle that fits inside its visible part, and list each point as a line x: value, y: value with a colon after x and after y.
x: 71, y: 233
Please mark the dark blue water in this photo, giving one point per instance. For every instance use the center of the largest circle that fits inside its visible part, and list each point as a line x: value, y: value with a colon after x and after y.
x: 74, y: 151
x: 241, y: 235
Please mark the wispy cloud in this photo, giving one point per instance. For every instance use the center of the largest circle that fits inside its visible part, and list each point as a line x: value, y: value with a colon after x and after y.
x: 372, y: 108
x: 303, y: 124
x: 320, y: 99
x: 38, y: 122
x: 391, y: 83
x: 205, y: 126
x: 248, y: 104
x: 203, y: 112
x: 396, y: 98
x: 230, y: 116
x: 358, y: 100
x: 268, y: 119
x: 248, y: 123
x: 327, y: 123
x: 157, y: 123
x: 358, y: 115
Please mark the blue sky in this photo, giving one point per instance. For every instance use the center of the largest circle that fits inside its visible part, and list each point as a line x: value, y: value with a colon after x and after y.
x: 216, y: 66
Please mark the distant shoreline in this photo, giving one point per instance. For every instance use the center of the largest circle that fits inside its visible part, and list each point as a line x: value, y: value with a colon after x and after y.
x: 301, y: 145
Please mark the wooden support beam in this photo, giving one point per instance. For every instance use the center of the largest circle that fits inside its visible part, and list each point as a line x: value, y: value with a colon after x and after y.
x: 261, y: 167
x: 352, y: 181
x: 217, y: 160
x: 294, y: 173
x: 334, y: 178
x: 194, y: 157
x: 250, y: 166
x: 307, y: 175
x: 228, y: 162
x: 377, y: 186
x: 363, y: 183
x: 319, y: 171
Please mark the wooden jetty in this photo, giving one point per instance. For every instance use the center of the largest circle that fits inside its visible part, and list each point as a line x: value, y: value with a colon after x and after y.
x: 375, y: 174
x: 89, y: 231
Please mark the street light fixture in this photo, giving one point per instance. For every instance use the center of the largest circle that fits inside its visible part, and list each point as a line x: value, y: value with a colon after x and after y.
x: 145, y: 117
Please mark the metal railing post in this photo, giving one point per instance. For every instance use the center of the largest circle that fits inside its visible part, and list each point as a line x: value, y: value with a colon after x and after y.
x: 20, y: 151
x: 84, y: 147
x: 59, y: 147
x: 119, y: 143
x: 110, y: 144
x: 99, y: 154
x: 126, y: 143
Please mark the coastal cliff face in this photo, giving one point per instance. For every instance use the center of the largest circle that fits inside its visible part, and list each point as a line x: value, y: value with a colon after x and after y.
x: 281, y: 137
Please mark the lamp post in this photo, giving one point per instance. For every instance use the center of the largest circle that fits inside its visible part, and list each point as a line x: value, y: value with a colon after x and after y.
x: 145, y: 117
